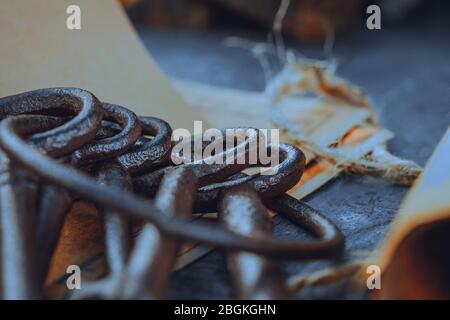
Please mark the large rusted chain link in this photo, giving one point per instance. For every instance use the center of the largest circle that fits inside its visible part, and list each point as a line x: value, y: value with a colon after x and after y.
x: 80, y: 104
x: 104, y: 149
x: 150, y: 152
x: 288, y: 173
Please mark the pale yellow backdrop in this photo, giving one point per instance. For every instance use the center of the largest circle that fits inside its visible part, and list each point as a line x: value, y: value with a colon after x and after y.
x: 105, y: 57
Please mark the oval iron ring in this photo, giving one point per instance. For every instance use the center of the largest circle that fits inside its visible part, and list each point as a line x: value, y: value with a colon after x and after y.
x: 81, y: 104
x: 113, y: 146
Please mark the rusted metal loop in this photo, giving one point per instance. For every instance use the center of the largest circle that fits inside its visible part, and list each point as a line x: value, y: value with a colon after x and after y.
x: 308, y: 218
x: 304, y: 216
x: 231, y: 160
x: 288, y: 174
x: 28, y: 126
x: 111, y: 146
x: 127, y: 203
x: 151, y: 152
x: 218, y: 146
x: 244, y: 199
x: 107, y: 130
x: 210, y: 169
x: 58, y: 102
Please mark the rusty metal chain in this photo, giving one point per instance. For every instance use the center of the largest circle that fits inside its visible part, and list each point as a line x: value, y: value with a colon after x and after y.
x: 59, y: 145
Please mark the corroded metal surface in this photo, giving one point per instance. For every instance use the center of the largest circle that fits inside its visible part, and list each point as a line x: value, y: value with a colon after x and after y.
x: 65, y: 144
x: 254, y: 276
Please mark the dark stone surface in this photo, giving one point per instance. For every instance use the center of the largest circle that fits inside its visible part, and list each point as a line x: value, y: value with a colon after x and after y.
x: 405, y: 70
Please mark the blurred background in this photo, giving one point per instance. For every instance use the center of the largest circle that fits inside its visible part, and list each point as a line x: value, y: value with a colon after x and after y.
x: 306, y: 20
x: 404, y: 68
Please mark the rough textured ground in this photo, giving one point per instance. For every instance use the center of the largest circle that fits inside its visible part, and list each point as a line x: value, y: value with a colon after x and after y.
x: 404, y: 69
